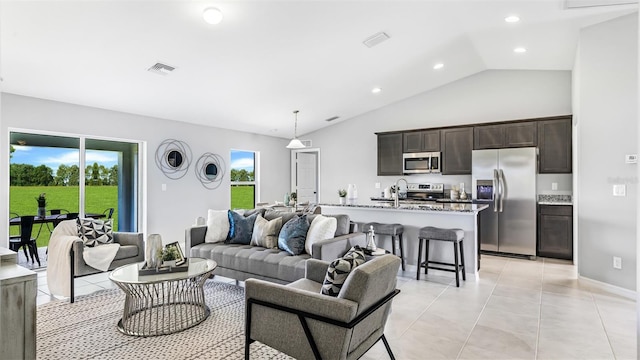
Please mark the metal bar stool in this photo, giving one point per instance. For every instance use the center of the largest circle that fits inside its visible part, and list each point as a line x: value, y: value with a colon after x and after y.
x: 451, y: 235
x: 393, y: 230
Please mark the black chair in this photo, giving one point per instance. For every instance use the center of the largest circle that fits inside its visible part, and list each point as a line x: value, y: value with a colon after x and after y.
x: 25, y: 241
x: 108, y: 213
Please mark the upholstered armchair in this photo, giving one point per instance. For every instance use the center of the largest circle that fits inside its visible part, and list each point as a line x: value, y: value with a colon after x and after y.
x: 299, y: 321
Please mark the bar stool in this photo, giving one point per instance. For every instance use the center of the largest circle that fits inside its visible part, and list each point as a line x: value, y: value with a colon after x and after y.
x: 451, y: 235
x: 393, y: 230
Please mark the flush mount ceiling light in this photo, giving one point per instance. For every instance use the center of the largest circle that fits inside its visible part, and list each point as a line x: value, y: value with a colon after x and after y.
x: 520, y: 50
x: 295, y: 143
x: 512, y: 19
x: 212, y: 15
x: 376, y: 90
x: 438, y: 66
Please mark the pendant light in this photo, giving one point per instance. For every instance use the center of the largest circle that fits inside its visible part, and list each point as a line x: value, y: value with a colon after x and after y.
x: 295, y: 143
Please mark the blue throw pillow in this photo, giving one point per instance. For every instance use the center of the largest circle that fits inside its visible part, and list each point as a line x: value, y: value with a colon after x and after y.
x: 240, y: 228
x: 293, y: 235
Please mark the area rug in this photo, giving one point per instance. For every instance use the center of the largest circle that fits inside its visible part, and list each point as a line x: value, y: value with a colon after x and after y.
x: 87, y: 329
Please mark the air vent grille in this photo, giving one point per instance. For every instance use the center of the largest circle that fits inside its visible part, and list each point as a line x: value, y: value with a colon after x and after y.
x: 332, y: 118
x: 161, y: 69
x: 376, y: 39
x: 306, y: 143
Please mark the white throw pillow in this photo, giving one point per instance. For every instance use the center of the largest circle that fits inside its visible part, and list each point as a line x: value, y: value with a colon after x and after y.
x: 321, y: 228
x: 217, y: 226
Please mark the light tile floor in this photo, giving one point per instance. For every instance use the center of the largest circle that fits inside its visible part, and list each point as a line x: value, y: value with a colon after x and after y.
x: 518, y: 309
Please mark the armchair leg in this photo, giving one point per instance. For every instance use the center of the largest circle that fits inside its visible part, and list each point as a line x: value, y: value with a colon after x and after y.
x: 71, y: 280
x: 386, y: 345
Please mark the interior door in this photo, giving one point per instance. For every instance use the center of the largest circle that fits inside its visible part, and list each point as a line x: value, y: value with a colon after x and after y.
x: 306, y: 176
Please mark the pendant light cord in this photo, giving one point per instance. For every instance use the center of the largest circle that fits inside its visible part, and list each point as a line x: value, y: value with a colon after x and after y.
x: 295, y: 125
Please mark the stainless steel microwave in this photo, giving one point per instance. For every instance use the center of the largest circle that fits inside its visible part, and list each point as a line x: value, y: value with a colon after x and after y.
x: 421, y: 163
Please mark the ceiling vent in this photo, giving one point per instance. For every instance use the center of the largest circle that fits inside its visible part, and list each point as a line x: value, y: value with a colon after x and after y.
x: 576, y: 4
x: 306, y: 143
x: 161, y: 69
x: 376, y: 39
x: 332, y: 118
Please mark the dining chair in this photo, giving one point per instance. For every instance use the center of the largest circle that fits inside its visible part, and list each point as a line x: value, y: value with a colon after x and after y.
x: 25, y: 241
x: 108, y: 213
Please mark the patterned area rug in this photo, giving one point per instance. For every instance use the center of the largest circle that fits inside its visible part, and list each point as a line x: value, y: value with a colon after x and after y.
x: 87, y: 329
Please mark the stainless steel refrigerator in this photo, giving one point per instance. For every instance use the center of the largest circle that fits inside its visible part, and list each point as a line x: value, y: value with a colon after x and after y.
x: 505, y: 179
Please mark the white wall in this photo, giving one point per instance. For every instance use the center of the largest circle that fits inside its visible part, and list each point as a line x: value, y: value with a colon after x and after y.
x: 168, y: 212
x: 607, y: 92
x: 349, y: 148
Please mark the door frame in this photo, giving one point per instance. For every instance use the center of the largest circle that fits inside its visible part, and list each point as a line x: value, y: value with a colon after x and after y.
x: 294, y: 169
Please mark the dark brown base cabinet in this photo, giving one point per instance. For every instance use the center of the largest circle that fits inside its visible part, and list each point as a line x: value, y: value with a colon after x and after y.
x: 555, y: 231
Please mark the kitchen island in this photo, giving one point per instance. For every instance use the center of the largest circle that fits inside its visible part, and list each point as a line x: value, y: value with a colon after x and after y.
x: 414, y: 216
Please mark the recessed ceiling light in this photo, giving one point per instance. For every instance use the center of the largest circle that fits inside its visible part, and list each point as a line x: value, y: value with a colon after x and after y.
x: 212, y: 15
x: 512, y: 19
x: 520, y: 50
x: 376, y: 90
x: 438, y: 66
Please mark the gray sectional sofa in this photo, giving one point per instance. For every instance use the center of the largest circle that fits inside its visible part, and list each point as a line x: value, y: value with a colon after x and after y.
x: 241, y: 262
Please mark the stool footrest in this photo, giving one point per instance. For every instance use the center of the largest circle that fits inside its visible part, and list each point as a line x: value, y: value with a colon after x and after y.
x: 424, y: 264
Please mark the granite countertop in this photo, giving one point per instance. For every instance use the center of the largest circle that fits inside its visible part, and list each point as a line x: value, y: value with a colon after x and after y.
x: 438, y: 207
x: 555, y: 200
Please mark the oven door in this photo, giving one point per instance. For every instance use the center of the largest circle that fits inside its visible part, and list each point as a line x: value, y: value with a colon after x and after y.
x: 416, y: 163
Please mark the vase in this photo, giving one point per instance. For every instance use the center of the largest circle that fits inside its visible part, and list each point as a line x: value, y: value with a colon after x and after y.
x: 342, y: 200
x: 42, y: 211
x: 153, y: 251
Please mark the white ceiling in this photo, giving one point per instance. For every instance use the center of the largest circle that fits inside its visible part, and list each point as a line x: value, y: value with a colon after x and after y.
x: 268, y: 58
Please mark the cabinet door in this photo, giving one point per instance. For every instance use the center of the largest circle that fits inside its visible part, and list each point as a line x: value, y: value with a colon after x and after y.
x: 521, y: 134
x: 488, y: 137
x: 554, y: 142
x: 431, y: 140
x: 555, y: 231
x: 412, y: 142
x: 390, y: 154
x: 457, y: 145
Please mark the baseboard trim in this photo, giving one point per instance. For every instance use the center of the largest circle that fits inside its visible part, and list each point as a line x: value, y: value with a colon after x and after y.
x: 626, y: 293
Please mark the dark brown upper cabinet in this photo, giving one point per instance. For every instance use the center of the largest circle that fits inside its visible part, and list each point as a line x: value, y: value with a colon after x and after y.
x: 498, y: 136
x: 456, y: 145
x: 390, y: 154
x: 554, y: 143
x: 421, y: 141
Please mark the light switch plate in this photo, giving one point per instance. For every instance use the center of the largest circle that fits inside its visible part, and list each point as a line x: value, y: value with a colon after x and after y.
x: 631, y: 158
x: 619, y: 190
x: 164, y: 187
x: 554, y: 186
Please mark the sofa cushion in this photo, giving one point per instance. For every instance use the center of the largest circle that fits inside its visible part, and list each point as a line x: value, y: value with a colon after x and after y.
x: 94, y: 231
x: 271, y: 214
x: 240, y: 228
x: 271, y: 263
x: 321, y: 228
x: 293, y: 235
x: 126, y: 251
x: 217, y: 226
x: 265, y: 232
x: 339, y: 270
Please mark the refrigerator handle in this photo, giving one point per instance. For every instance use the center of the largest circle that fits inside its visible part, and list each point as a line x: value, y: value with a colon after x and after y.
x: 502, y: 190
x: 496, y: 190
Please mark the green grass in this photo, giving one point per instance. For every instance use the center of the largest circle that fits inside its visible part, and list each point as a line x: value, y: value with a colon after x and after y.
x: 22, y: 201
x: 242, y: 197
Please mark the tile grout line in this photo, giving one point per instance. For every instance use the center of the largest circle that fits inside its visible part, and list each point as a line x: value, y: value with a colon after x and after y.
x: 544, y: 266
x: 604, y: 328
x: 482, y: 311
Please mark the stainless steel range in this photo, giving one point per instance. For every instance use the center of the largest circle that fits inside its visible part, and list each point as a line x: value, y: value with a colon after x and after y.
x: 425, y: 192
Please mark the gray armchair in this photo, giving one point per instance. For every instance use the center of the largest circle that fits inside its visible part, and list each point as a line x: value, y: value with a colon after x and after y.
x: 299, y: 321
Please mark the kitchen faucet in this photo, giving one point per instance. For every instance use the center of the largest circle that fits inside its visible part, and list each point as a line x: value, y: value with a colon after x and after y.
x: 397, y: 201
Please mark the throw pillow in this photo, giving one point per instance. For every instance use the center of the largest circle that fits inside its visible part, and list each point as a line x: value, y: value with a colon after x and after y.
x: 241, y: 228
x: 321, y: 228
x: 217, y: 226
x: 293, y: 234
x: 265, y: 232
x: 94, y: 232
x: 339, y: 270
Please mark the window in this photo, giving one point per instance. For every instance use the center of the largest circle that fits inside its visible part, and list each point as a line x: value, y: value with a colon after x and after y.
x: 243, y: 179
x: 51, y: 164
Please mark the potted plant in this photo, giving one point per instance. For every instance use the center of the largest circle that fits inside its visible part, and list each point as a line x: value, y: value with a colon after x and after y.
x: 42, y: 204
x: 294, y: 198
x: 342, y: 193
x: 169, y: 256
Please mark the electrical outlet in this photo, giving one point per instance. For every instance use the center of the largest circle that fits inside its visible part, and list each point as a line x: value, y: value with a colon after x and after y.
x: 617, y: 262
x: 619, y: 190
x: 377, y: 185
x: 554, y: 186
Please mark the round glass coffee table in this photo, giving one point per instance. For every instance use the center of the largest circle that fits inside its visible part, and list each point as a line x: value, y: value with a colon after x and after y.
x: 163, y: 304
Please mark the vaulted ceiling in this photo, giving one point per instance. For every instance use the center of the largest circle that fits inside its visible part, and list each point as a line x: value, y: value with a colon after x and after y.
x: 268, y: 58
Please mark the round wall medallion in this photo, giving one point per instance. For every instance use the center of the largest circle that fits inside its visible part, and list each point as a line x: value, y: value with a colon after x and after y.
x: 173, y: 158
